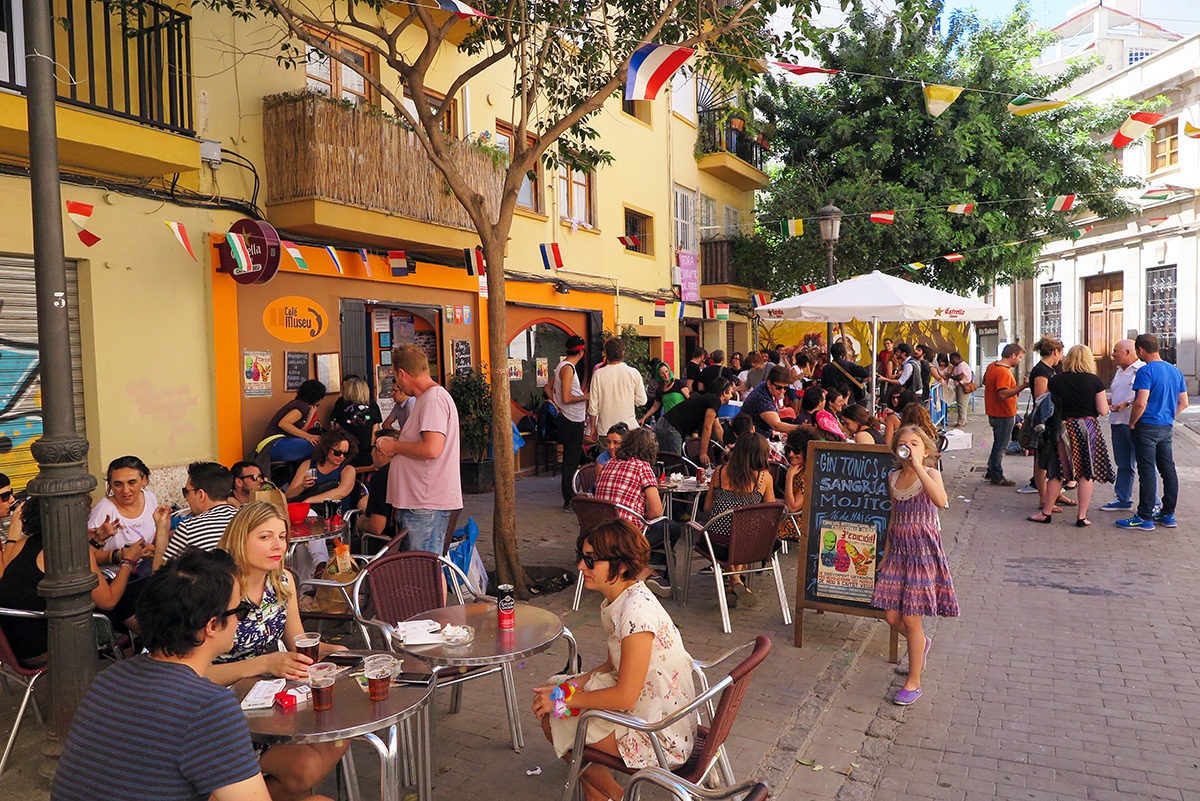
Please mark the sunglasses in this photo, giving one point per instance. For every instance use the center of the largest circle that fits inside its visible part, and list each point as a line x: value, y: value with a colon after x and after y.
x: 7, y: 495
x: 779, y: 386
x: 255, y: 477
x: 336, y: 452
x: 241, y: 611
x: 590, y: 559
x: 186, y: 491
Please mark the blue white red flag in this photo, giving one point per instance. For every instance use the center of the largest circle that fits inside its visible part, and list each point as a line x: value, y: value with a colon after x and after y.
x: 650, y: 67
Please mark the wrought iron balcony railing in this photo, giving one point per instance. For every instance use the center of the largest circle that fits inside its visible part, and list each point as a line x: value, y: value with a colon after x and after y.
x: 718, y: 133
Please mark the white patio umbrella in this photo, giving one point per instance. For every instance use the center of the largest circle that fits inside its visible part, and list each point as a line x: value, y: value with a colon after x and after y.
x: 877, y: 297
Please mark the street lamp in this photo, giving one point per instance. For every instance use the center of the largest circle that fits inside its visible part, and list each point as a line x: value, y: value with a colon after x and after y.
x: 831, y: 225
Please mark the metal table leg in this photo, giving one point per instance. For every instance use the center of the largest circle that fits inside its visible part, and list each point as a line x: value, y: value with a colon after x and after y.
x: 389, y: 752
x: 510, y: 701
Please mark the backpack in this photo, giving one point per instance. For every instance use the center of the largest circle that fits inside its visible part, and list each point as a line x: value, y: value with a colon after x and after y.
x: 547, y: 422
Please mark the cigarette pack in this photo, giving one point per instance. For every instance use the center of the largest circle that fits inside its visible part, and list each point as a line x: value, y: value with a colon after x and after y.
x: 294, y: 698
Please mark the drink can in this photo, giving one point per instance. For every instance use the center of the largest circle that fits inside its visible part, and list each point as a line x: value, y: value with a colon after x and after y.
x: 506, y: 607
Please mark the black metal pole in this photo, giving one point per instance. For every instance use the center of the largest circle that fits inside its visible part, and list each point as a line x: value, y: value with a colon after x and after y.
x: 63, y: 483
x: 829, y: 243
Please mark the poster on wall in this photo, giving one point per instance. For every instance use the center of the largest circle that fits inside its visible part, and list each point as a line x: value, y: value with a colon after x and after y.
x: 448, y: 313
x: 385, y: 379
x: 483, y: 291
x: 381, y: 321
x: 427, y: 341
x: 461, y: 350
x: 467, y: 315
x: 295, y: 369
x: 256, y: 369
x: 403, y: 329
x: 847, y: 568
x: 516, y: 370
x: 543, y: 371
x: 329, y: 370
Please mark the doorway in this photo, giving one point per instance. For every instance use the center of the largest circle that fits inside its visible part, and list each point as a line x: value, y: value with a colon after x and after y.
x: 1104, y: 307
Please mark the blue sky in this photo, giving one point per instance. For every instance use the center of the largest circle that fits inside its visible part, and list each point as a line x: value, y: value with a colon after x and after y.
x: 1170, y: 14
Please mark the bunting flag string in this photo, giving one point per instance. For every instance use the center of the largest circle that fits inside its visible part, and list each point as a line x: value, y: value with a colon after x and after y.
x: 1138, y: 124
x: 759, y: 299
x: 1023, y: 105
x: 797, y: 69
x: 660, y: 308
x: 551, y: 256
x: 710, y: 309
x: 630, y: 241
x: 806, y: 288
x: 938, y: 98
x: 1191, y: 131
x: 961, y: 208
x: 294, y: 252
x: 366, y: 260
x: 792, y: 227
x: 241, y: 254
x: 953, y: 257
x: 1060, y: 203
x: 1156, y: 193
x: 915, y: 266
x: 650, y: 67
x: 883, y: 217
x: 680, y: 310
x: 722, y: 311
x: 181, y: 235
x: 80, y: 215
x: 398, y: 262
x: 1154, y: 222
x: 461, y: 10
x: 474, y: 259
x: 337, y: 263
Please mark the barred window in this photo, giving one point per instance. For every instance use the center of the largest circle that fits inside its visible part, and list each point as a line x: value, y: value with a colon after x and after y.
x: 1161, y: 310
x: 1051, y: 314
x: 641, y: 226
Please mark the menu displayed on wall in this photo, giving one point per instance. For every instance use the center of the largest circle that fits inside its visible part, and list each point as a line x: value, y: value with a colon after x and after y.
x: 461, y: 350
x: 427, y: 341
x: 295, y: 369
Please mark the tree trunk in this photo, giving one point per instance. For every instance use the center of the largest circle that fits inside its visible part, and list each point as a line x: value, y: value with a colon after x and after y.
x: 504, y: 524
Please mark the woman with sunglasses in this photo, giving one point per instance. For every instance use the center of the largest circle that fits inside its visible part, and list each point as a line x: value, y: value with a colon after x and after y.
x: 25, y: 567
x: 268, y: 615
x: 647, y: 671
x: 10, y: 508
x: 328, y: 475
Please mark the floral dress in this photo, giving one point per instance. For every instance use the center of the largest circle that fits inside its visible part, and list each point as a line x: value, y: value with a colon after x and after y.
x: 913, y: 577
x: 262, y: 629
x: 668, y: 688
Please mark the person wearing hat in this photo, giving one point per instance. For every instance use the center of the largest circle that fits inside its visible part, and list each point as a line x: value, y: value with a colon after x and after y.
x: 571, y: 401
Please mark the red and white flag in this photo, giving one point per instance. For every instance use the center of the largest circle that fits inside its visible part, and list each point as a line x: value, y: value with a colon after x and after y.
x: 461, y: 9
x: 1135, y: 127
x: 953, y: 257
x: 961, y: 208
x: 81, y: 214
x: 797, y: 69
x: 181, y: 235
x: 630, y: 241
x: 806, y: 288
x: 884, y: 217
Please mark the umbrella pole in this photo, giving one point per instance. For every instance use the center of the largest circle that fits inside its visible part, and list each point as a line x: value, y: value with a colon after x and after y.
x: 874, y: 361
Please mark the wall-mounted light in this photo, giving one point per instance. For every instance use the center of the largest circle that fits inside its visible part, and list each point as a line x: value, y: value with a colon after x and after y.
x: 562, y: 288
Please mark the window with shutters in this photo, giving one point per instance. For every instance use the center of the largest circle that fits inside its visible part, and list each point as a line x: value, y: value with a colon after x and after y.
x: 685, y: 220
x: 1164, y: 149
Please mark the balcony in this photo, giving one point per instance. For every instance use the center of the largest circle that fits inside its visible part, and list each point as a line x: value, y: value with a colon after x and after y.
x: 345, y: 172
x: 720, y: 274
x: 727, y: 153
x: 128, y: 109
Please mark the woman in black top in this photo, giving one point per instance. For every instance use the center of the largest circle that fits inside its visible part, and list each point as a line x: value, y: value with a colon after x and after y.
x: 359, y: 416
x: 1080, y: 451
x: 1051, y: 351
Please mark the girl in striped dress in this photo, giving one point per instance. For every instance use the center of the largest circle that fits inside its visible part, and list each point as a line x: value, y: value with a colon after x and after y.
x: 913, y: 579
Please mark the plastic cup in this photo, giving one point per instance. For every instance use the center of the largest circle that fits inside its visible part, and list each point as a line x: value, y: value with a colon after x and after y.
x: 379, y: 670
x: 322, y: 694
x: 308, y: 644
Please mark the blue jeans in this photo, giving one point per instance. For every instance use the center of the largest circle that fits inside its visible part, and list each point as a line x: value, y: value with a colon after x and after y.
x: 1122, y: 445
x: 1002, y: 428
x: 426, y: 528
x: 1152, y: 444
x: 669, y: 438
x: 291, y: 449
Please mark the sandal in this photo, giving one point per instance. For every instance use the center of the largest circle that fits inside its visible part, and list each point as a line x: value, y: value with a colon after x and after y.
x: 1070, y: 485
x: 1065, y: 501
x: 1082, y: 522
x: 1045, y: 518
x: 1056, y: 510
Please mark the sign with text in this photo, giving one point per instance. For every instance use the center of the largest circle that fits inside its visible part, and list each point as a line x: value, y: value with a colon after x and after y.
x: 687, y: 275
x: 262, y: 247
x: 844, y: 530
x: 295, y: 369
x: 295, y: 319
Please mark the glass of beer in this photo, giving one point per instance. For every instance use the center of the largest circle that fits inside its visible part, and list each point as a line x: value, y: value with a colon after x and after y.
x: 320, y: 679
x: 379, y: 671
x: 308, y: 644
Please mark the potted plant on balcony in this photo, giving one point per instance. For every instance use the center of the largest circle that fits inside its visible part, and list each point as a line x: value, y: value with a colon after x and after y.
x: 473, y: 397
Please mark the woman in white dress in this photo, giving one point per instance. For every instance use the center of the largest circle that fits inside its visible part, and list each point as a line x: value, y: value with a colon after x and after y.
x: 648, y: 673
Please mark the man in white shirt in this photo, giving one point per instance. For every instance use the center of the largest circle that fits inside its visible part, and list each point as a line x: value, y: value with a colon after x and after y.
x: 1127, y: 362
x: 616, y: 391
x: 961, y: 374
x: 571, y: 401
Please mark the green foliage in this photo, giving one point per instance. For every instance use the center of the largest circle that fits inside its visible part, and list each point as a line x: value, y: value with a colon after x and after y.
x: 755, y: 257
x: 869, y: 145
x: 637, y: 348
x: 473, y: 397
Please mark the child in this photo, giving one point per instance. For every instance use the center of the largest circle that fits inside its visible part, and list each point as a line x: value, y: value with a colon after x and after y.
x: 913, y: 579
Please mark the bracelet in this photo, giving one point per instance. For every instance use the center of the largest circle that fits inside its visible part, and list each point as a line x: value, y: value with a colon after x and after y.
x: 561, y: 695
x: 132, y: 565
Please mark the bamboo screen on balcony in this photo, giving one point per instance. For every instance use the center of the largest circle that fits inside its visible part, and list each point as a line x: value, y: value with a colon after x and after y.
x: 320, y: 148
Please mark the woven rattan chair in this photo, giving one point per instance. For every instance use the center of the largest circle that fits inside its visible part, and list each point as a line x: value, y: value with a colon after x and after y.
x: 590, y: 512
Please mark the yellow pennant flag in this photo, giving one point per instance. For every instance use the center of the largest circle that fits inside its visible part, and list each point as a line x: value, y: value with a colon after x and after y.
x: 1191, y: 131
x: 938, y: 97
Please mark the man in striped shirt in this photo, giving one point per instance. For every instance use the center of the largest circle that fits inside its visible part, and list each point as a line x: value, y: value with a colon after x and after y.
x: 207, y: 492
x: 154, y: 727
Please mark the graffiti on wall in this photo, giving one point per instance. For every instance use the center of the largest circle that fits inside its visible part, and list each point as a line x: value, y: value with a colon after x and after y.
x: 20, y: 409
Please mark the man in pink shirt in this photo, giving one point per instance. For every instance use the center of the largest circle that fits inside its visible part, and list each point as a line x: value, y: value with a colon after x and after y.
x: 424, y: 485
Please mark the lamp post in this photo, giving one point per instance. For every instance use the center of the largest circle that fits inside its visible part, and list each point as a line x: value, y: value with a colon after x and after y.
x: 831, y: 225
x: 63, y: 483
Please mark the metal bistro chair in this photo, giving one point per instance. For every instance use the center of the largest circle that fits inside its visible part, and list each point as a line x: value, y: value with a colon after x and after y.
x: 691, y: 450
x: 675, y: 463
x: 681, y: 790
x: 590, y: 512
x: 754, y: 532
x: 710, y: 739
x: 584, y: 481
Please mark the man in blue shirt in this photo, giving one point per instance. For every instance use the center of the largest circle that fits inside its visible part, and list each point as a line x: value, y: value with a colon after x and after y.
x: 1160, y: 394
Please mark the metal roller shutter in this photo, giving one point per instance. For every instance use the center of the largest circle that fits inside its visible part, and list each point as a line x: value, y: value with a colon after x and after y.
x: 20, y: 384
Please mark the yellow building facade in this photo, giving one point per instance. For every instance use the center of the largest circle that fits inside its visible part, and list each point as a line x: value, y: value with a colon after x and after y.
x: 177, y: 360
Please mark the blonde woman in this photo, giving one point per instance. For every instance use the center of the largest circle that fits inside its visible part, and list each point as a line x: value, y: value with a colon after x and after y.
x: 1080, y: 452
x: 359, y: 416
x: 257, y: 541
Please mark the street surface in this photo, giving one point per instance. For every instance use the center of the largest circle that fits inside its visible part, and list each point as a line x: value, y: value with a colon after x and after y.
x: 1073, y: 672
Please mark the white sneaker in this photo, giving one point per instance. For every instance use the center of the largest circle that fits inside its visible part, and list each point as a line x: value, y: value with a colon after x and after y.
x: 1028, y: 489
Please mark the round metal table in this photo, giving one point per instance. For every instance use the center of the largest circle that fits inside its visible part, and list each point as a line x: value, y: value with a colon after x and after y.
x: 355, y: 716
x: 536, y: 630
x: 315, y: 528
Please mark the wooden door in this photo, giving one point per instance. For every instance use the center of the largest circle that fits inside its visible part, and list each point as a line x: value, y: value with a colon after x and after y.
x: 1104, y: 301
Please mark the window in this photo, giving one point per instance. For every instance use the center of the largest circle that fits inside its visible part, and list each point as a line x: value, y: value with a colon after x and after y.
x: 1136, y: 54
x: 528, y: 196
x: 436, y: 101
x: 337, y: 79
x: 1164, y: 150
x: 641, y: 226
x: 575, y: 196
x: 709, y: 229
x: 683, y: 94
x: 1161, y: 315
x: 12, y: 43
x: 1051, y: 316
x: 685, y: 220
x: 636, y: 108
x: 733, y: 221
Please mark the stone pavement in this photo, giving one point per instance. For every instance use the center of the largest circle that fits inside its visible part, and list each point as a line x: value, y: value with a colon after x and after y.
x: 1070, y: 674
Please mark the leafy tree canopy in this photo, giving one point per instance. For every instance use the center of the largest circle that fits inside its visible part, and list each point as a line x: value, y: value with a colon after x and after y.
x: 868, y: 144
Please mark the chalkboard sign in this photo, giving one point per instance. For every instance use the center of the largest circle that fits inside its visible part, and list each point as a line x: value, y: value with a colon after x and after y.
x: 296, y: 372
x: 846, y: 510
x: 462, y: 355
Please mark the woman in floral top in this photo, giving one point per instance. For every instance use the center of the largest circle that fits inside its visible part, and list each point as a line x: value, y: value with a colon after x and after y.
x: 648, y: 672
x: 257, y: 541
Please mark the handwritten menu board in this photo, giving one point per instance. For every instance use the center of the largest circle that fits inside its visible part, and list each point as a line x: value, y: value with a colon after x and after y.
x: 844, y: 530
x: 295, y: 369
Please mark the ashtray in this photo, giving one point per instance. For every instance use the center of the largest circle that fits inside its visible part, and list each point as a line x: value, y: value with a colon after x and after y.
x: 458, y: 635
